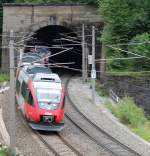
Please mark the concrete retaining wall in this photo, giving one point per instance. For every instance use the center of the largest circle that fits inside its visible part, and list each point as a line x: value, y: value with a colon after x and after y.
x: 138, y: 88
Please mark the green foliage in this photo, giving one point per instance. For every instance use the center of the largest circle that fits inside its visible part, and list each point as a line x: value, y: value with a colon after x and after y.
x: 4, y: 77
x: 5, y: 151
x: 129, y: 113
x: 140, y: 49
x: 132, y: 116
x: 123, y: 20
x: 110, y: 106
x: 100, y: 89
x: 143, y: 131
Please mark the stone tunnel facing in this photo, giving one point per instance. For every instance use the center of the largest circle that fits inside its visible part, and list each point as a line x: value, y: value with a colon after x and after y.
x: 58, y: 39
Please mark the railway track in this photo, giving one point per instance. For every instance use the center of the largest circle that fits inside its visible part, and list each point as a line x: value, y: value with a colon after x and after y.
x: 95, y: 133
x: 54, y: 142
x: 57, y: 144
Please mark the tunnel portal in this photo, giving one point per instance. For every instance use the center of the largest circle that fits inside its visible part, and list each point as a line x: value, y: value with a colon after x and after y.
x: 58, y: 39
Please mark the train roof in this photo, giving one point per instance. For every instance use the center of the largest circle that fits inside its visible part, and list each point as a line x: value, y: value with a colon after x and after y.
x: 47, y: 81
x: 47, y: 85
x: 46, y: 77
x: 38, y: 69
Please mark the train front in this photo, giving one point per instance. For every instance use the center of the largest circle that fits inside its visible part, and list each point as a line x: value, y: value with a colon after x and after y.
x: 49, y: 104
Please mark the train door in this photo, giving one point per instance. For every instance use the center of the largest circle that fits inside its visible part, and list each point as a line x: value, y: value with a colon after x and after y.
x: 30, y: 108
x: 21, y: 95
x: 18, y: 89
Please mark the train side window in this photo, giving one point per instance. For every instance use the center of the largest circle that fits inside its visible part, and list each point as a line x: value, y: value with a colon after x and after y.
x: 23, y: 89
x: 17, y: 86
x: 30, y: 99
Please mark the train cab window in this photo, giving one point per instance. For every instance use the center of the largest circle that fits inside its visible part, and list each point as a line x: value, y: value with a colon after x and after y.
x: 23, y: 89
x: 17, y: 86
x: 30, y: 99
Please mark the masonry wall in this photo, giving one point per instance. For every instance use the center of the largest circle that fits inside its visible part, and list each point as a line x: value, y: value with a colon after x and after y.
x: 28, y: 18
x: 138, y: 88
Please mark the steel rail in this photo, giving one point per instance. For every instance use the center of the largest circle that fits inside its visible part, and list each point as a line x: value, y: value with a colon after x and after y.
x: 89, y: 136
x: 97, y: 127
x: 37, y: 134
x: 51, y: 149
x: 69, y: 145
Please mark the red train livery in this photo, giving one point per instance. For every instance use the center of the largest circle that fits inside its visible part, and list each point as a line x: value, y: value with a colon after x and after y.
x: 41, y: 98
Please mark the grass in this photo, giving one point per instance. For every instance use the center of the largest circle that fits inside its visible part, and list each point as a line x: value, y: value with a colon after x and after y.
x: 132, y: 116
x: 144, y: 131
x: 4, y: 77
x: 100, y: 89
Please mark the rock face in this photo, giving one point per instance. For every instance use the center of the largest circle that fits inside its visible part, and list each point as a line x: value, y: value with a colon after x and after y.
x: 138, y: 88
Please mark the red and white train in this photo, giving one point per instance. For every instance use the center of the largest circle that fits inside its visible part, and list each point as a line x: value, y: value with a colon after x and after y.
x: 41, y: 98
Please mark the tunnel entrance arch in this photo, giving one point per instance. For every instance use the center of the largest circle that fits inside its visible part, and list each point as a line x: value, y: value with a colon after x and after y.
x: 59, y: 38
x: 26, y: 19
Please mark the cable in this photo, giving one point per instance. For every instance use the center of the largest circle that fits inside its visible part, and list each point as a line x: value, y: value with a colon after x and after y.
x: 71, y: 32
x: 68, y: 40
x: 67, y: 45
x: 52, y: 55
x: 133, y: 43
x: 35, y: 46
x: 111, y: 59
x: 49, y: 64
x: 126, y: 51
x: 68, y: 36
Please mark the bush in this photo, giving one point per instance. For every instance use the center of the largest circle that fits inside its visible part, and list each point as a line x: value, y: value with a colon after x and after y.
x: 129, y: 113
x: 132, y: 116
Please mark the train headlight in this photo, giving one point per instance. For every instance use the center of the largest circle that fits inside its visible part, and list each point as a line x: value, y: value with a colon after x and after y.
x: 48, y: 106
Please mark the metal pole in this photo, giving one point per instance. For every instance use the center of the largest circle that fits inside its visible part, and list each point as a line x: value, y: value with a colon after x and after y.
x: 83, y: 52
x: 12, y: 128
x: 21, y: 53
x: 86, y: 62
x: 103, y: 63
x: 93, y: 72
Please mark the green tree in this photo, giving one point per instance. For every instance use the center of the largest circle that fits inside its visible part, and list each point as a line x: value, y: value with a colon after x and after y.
x: 123, y: 19
x: 143, y: 49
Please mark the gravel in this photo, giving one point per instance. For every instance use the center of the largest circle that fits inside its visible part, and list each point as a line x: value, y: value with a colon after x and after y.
x: 81, y: 94
x: 29, y: 145
x: 80, y: 141
x: 1, y: 139
x: 27, y: 142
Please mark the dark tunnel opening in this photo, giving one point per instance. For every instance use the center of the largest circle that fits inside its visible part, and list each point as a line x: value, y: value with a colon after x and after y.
x: 59, y: 38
